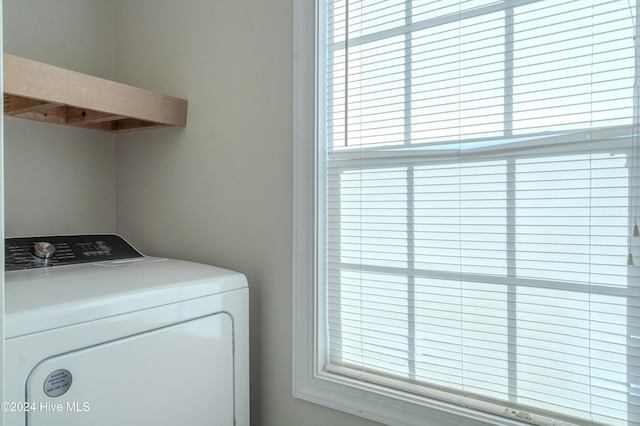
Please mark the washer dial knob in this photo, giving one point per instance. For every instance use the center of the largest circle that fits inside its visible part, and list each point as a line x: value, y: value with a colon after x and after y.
x: 43, y: 249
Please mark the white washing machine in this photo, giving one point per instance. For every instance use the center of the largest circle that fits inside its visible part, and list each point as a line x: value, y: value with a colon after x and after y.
x: 98, y: 334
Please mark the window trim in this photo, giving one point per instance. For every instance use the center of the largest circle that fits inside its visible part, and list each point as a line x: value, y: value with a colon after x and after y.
x: 310, y: 382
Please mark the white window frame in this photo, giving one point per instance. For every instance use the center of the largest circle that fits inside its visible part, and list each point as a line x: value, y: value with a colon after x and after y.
x: 310, y: 381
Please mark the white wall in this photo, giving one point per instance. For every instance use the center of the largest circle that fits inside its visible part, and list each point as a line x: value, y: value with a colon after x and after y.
x: 59, y: 180
x: 218, y: 191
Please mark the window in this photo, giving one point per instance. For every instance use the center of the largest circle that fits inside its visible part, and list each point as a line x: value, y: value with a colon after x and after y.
x: 466, y: 204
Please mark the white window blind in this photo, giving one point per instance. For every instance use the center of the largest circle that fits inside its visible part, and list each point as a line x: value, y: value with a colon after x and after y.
x: 479, y: 200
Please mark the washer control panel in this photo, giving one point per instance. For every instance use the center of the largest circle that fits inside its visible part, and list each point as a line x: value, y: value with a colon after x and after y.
x: 40, y: 252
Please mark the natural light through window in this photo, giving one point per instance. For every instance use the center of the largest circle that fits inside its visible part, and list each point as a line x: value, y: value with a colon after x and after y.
x: 478, y: 172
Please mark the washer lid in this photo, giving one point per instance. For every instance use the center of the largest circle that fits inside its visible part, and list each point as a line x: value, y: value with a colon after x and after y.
x: 43, y: 299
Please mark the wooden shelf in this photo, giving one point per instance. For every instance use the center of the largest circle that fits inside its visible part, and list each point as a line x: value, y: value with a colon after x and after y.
x: 42, y: 92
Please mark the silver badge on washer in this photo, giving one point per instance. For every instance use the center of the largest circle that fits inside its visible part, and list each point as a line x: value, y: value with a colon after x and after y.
x: 57, y: 383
